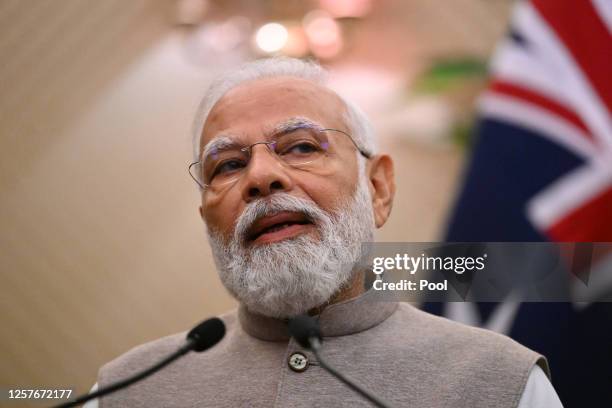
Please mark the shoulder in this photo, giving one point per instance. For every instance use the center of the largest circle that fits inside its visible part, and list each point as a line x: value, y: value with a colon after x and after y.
x: 437, y: 328
x: 451, y: 340
x: 144, y: 355
x: 468, y: 359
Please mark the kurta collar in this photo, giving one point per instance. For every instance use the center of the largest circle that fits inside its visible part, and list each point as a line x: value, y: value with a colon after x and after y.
x: 340, y: 319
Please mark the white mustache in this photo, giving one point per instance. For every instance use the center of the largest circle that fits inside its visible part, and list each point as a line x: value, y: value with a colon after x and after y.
x: 290, y: 277
x: 275, y: 204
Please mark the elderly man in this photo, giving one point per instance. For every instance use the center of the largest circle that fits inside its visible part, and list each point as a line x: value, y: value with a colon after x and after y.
x: 291, y: 186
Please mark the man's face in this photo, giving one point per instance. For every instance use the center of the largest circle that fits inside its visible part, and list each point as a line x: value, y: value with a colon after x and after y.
x: 250, y: 111
x: 285, y: 239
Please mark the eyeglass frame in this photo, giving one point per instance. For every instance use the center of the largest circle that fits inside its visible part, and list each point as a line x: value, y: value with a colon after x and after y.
x: 270, y: 142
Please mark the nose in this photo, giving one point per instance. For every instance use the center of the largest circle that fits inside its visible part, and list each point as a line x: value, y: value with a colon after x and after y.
x: 265, y: 175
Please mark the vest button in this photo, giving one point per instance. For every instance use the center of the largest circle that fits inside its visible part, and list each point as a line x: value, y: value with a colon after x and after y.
x: 298, y: 362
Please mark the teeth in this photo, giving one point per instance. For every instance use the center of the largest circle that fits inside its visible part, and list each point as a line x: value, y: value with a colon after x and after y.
x: 277, y: 227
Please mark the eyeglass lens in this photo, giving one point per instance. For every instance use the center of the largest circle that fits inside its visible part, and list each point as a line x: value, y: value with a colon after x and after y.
x: 225, y: 165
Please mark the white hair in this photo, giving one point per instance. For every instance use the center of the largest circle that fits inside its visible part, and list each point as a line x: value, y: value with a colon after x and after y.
x: 356, y: 121
x: 286, y: 278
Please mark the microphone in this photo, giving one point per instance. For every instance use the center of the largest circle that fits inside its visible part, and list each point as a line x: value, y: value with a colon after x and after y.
x: 305, y: 330
x: 206, y: 334
x: 200, y: 338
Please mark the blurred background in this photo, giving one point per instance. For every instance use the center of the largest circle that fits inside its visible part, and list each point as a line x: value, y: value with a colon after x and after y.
x: 101, y: 244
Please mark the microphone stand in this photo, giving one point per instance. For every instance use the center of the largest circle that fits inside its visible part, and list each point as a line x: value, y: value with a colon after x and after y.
x: 200, y: 338
x: 130, y: 380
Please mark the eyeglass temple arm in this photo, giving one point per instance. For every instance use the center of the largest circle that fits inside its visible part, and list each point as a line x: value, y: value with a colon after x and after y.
x: 359, y: 149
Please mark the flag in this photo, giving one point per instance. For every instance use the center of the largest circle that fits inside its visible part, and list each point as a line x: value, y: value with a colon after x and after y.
x: 541, y: 170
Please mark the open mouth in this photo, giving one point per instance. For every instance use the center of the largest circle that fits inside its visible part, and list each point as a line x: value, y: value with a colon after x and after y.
x: 278, y: 227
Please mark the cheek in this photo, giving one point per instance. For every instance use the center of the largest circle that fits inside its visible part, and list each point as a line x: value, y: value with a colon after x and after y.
x: 330, y: 191
x: 346, y: 176
x: 220, y: 215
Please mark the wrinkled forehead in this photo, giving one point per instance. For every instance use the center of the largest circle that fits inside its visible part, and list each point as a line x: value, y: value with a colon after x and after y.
x: 260, y: 105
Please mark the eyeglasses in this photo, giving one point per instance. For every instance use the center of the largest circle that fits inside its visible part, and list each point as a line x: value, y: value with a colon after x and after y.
x: 304, y: 148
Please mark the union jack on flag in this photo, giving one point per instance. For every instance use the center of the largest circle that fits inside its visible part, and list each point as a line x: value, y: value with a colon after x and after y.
x: 541, y: 170
x: 554, y: 75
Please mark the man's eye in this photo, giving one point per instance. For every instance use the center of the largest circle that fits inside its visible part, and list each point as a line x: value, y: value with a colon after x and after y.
x: 228, y: 166
x: 302, y: 148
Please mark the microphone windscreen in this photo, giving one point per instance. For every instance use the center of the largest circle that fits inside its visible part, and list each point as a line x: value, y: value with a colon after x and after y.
x: 303, y: 328
x: 206, y: 334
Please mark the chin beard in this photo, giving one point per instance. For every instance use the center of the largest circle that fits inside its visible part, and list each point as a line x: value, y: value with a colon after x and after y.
x: 287, y: 278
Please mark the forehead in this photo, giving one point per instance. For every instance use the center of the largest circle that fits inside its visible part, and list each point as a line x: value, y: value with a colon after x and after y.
x: 255, y: 106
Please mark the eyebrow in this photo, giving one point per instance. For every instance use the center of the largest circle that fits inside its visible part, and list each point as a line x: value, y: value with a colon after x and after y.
x: 292, y: 124
x: 219, y: 143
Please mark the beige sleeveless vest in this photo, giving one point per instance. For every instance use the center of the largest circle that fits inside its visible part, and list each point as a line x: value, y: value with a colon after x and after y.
x: 405, y: 356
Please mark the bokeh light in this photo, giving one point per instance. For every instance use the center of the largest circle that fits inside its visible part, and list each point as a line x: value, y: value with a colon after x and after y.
x: 323, y: 33
x: 271, y: 37
x: 297, y: 43
x: 347, y: 8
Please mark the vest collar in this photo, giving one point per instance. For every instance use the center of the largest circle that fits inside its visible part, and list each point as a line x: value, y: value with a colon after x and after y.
x: 340, y: 319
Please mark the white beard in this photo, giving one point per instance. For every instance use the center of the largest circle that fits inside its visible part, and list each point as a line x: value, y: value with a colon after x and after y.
x: 289, y: 277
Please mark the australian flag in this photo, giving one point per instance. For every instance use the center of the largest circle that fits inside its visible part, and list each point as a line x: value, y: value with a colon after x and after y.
x: 541, y: 170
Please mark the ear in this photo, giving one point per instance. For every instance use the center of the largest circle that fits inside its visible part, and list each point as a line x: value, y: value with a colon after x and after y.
x: 382, y: 186
x: 201, y: 212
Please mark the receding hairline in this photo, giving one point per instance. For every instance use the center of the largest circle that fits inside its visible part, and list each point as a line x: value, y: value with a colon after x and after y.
x: 320, y: 87
x: 250, y: 82
x: 277, y: 67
